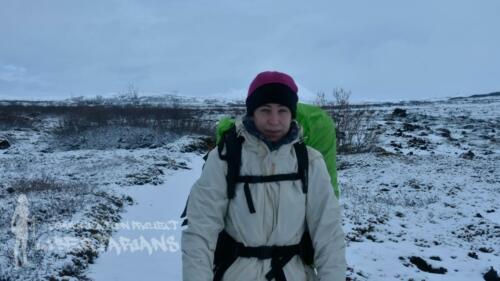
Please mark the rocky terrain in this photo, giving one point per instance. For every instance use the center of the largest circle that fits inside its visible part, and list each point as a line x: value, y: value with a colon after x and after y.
x: 424, y: 204
x: 73, y: 180
x: 420, y: 204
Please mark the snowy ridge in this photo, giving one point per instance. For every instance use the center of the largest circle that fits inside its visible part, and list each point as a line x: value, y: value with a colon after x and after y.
x: 133, y: 100
x: 236, y: 97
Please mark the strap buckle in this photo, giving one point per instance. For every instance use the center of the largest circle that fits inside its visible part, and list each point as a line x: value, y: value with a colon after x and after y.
x: 266, y: 252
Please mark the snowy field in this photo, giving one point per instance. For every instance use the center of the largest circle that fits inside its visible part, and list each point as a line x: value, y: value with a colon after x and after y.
x: 422, y: 206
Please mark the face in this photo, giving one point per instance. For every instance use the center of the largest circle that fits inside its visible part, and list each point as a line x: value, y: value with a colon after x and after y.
x: 273, y: 120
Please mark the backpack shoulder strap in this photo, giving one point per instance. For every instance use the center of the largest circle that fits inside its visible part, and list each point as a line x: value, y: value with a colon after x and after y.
x: 232, y: 143
x: 302, y: 163
x: 306, y: 251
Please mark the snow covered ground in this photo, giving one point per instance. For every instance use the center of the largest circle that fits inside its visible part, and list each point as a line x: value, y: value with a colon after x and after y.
x: 428, y: 201
x: 423, y: 206
x: 147, y: 241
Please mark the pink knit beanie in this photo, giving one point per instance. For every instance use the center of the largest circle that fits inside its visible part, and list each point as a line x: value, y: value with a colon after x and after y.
x: 272, y: 87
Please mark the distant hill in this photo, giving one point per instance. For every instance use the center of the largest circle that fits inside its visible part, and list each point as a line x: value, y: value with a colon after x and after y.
x: 493, y: 94
x: 165, y: 100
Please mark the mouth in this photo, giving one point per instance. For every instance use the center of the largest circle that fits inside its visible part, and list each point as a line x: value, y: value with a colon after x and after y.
x: 273, y: 135
x: 273, y: 132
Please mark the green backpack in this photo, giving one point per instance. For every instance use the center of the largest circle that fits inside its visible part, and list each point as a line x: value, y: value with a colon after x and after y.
x: 319, y: 133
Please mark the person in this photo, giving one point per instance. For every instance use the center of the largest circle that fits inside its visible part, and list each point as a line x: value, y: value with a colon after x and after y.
x: 264, y: 222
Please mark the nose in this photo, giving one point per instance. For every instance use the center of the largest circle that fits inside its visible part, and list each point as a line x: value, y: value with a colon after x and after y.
x: 273, y: 118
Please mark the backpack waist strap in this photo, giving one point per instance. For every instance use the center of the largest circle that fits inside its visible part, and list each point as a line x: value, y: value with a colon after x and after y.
x: 279, y: 255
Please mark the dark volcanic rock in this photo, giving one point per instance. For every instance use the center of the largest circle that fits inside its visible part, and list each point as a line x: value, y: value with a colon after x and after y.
x: 469, y: 155
x: 399, y: 112
x: 411, y: 127
x: 4, y: 144
x: 444, y: 132
x: 491, y: 275
x: 473, y: 255
x: 418, y: 143
x: 486, y: 250
x: 424, y: 266
x: 395, y: 144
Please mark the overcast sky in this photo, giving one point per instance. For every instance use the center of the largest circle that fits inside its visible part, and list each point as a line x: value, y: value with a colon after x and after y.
x: 380, y: 50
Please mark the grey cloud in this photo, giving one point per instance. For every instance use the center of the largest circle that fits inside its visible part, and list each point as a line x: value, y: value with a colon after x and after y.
x: 380, y: 50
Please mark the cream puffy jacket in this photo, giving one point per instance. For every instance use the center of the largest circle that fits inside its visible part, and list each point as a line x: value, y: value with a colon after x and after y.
x: 282, y: 213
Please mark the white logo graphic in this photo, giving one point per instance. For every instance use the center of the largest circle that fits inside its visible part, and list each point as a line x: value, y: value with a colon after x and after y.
x: 19, y: 226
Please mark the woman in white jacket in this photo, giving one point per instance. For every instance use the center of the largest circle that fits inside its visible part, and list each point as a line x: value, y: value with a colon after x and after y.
x: 266, y: 218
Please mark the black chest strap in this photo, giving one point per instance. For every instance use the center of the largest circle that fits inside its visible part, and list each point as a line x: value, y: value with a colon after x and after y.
x: 233, y: 145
